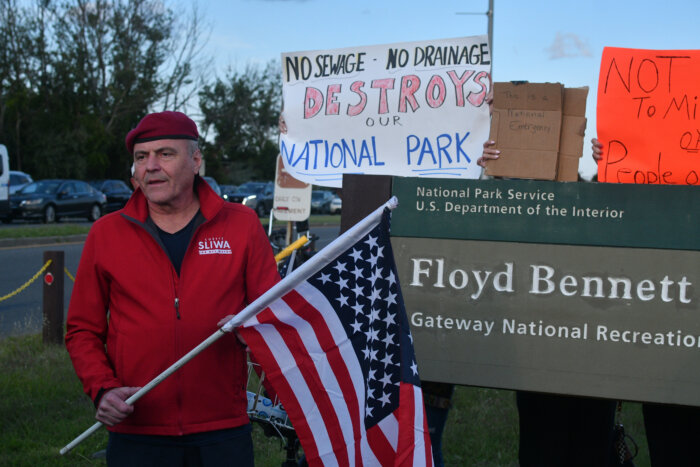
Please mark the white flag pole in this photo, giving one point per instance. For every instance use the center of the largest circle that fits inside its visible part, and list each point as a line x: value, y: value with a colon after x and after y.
x: 304, y: 271
x: 154, y: 382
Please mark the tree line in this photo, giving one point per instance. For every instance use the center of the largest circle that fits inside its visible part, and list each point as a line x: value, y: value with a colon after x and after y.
x: 76, y: 76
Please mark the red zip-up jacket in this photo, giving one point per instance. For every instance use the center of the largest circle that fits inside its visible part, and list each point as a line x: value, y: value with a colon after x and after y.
x: 131, y: 316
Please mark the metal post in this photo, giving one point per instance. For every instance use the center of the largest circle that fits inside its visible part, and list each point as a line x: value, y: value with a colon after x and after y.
x: 361, y: 195
x: 52, y: 330
x: 490, y: 17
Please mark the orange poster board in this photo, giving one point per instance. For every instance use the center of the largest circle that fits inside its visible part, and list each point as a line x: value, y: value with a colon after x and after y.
x: 648, y: 116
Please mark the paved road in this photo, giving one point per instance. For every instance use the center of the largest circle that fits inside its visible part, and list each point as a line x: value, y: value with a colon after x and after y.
x: 22, y: 314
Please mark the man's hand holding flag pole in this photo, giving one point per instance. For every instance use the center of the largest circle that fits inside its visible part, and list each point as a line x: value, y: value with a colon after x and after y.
x: 334, y: 341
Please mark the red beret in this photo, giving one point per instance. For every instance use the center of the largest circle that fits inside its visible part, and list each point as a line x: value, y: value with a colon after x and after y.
x: 162, y: 125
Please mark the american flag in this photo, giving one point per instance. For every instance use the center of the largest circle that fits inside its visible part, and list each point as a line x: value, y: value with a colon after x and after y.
x: 338, y: 350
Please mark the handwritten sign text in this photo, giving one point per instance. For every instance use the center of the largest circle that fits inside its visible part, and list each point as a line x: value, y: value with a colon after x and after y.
x: 648, y: 117
x: 410, y: 109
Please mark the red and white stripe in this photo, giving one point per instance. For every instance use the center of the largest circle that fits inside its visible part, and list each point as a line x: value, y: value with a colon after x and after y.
x: 312, y: 365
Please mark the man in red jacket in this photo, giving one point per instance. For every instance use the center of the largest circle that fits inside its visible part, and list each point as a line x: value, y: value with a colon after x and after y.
x: 154, y: 279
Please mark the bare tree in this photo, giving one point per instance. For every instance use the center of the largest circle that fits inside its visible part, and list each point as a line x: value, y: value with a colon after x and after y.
x: 76, y: 76
x: 188, y: 67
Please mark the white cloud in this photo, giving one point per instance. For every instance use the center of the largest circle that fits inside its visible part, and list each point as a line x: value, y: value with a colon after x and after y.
x: 568, y: 45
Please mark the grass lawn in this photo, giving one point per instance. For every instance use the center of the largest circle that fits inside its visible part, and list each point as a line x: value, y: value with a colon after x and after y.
x: 44, y: 230
x: 314, y: 220
x: 62, y: 229
x: 43, y: 408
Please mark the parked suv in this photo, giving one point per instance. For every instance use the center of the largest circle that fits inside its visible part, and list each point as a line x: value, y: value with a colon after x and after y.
x: 116, y: 191
x: 321, y: 201
x: 256, y: 195
x: 227, y: 191
x: 336, y: 205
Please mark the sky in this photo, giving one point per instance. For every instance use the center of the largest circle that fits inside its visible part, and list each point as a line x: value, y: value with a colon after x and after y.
x: 537, y: 40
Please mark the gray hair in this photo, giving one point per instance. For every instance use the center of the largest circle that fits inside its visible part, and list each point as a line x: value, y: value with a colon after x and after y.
x: 192, y: 146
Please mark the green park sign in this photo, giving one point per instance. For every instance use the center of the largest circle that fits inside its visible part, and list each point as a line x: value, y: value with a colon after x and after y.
x: 572, y: 288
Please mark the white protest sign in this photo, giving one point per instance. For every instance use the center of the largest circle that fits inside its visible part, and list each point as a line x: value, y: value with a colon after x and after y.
x: 415, y: 109
x: 292, y: 201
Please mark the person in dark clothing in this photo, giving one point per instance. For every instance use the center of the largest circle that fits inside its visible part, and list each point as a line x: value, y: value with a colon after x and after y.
x: 563, y: 431
x: 559, y: 430
x: 670, y: 429
x: 437, y: 398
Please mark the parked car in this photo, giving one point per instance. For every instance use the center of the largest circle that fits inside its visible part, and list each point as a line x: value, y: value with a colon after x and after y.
x: 18, y: 180
x: 321, y: 201
x: 336, y: 205
x: 227, y: 191
x: 256, y: 195
x: 49, y: 200
x: 116, y: 191
x: 213, y: 184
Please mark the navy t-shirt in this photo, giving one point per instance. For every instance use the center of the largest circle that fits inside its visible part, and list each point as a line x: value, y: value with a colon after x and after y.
x: 176, y: 243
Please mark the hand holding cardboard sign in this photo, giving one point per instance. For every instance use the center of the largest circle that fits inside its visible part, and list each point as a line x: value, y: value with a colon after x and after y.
x: 490, y: 153
x: 597, y: 148
x: 539, y: 128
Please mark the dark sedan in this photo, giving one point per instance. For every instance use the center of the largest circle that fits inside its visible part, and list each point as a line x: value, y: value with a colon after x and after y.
x: 49, y: 200
x: 116, y: 191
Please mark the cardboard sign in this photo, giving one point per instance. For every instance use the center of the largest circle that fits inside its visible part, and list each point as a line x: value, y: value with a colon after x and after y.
x: 292, y: 198
x: 648, y: 119
x: 553, y: 287
x: 410, y: 109
x: 539, y: 128
x: 573, y: 129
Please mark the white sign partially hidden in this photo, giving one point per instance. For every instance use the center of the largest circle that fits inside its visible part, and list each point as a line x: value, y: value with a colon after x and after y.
x: 413, y: 109
x: 292, y: 201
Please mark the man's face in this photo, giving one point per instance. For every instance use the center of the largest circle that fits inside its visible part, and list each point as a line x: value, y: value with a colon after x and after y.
x: 165, y: 171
